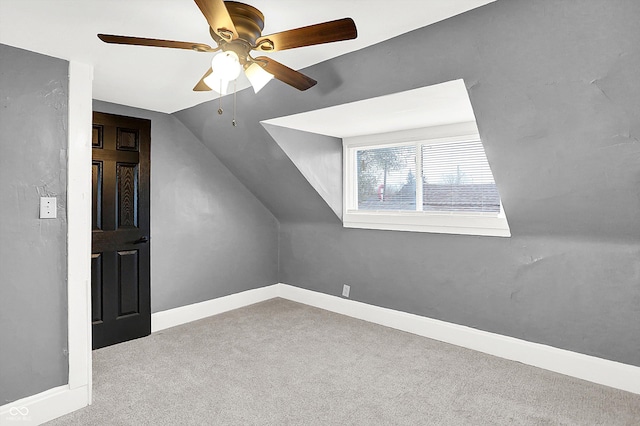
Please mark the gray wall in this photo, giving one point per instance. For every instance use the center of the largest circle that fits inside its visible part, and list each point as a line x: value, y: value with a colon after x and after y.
x: 555, y: 91
x: 210, y: 236
x: 33, y: 252
x: 577, y: 295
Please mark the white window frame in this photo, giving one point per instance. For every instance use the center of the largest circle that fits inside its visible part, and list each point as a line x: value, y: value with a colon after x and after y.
x: 485, y: 224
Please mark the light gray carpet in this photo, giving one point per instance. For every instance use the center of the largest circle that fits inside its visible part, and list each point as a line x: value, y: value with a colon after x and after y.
x: 279, y: 363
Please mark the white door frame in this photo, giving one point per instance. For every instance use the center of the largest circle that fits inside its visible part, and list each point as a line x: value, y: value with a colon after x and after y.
x: 79, y: 225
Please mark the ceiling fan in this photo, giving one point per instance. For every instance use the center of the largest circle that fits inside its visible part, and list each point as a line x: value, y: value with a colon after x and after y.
x: 237, y: 30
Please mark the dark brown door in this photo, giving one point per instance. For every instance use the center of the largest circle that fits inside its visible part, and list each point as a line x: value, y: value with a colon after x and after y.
x: 120, y: 265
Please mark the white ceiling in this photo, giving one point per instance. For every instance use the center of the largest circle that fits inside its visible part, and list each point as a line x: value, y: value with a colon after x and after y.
x: 162, y: 79
x: 437, y: 105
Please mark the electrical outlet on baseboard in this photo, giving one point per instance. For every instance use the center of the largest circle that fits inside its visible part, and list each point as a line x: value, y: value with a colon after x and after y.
x: 345, y: 290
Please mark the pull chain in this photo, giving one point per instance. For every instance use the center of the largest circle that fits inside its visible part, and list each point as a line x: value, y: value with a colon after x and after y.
x: 234, y: 104
x: 220, y: 110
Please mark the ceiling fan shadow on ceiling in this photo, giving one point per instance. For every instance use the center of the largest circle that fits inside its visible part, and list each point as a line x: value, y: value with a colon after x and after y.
x: 237, y: 30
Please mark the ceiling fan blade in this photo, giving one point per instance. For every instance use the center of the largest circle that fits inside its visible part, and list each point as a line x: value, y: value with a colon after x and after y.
x: 285, y: 74
x: 139, y: 41
x: 202, y: 86
x: 327, y: 32
x: 218, y: 18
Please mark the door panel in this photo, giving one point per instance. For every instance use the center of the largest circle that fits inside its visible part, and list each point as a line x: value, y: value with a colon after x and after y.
x: 127, y: 197
x: 120, y: 260
x: 96, y: 287
x: 96, y: 219
x: 128, y: 283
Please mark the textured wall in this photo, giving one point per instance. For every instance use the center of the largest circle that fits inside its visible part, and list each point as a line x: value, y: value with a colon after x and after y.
x: 555, y: 90
x: 33, y: 251
x: 210, y: 236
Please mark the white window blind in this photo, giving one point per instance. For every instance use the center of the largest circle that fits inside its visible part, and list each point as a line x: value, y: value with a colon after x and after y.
x: 457, y: 178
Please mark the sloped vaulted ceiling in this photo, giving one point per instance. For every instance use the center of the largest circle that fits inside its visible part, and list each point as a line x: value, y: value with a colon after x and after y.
x: 555, y: 96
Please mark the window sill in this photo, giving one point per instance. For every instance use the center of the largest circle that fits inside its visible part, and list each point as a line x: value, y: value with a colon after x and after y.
x: 440, y: 223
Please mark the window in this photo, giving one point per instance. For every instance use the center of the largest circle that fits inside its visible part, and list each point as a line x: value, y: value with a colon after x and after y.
x: 429, y: 180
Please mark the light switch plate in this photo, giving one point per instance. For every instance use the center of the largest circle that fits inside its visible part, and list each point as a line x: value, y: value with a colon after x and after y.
x: 48, y: 208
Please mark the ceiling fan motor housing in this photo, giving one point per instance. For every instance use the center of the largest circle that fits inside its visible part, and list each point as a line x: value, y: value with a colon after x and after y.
x: 248, y: 20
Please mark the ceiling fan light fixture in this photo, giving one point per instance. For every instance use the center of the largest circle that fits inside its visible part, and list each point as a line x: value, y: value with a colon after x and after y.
x: 257, y: 76
x: 226, y: 66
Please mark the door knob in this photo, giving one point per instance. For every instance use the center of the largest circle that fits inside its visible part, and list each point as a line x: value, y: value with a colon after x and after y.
x: 141, y: 240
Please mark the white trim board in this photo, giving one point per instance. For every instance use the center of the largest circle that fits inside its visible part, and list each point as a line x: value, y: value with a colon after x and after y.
x: 45, y: 406
x: 585, y: 367
x: 184, y: 314
x: 79, y: 226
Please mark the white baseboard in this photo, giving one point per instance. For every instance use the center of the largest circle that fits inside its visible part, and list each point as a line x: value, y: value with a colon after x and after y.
x: 184, y: 314
x: 590, y: 368
x: 585, y: 367
x: 45, y: 406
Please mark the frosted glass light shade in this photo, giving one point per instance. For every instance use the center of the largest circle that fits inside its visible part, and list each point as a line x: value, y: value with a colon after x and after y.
x: 216, y: 84
x: 257, y: 76
x: 226, y: 66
